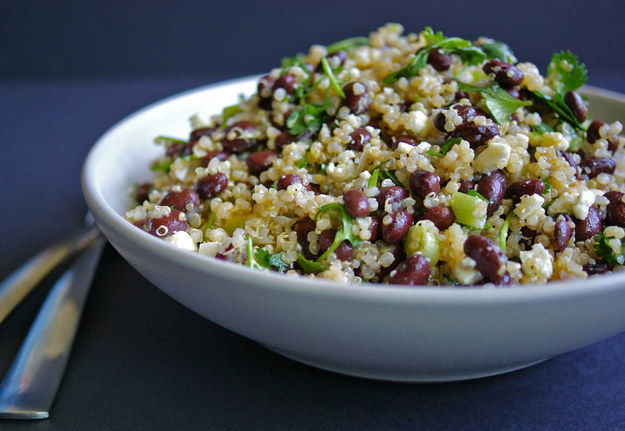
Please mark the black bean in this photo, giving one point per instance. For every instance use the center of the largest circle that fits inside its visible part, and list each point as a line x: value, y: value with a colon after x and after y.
x: 414, y: 271
x: 466, y: 112
x: 179, y: 149
x: 398, y: 227
x: 392, y: 194
x: 490, y: 261
x: 395, y: 140
x: 374, y: 228
x: 265, y: 86
x: 286, y: 180
x: 574, y: 101
x: 356, y: 98
x: 562, y: 231
x: 210, y: 186
x: 589, y: 227
x: 492, y: 187
x: 311, y: 187
x: 423, y: 183
x: 219, y: 155
x: 355, y: 203
x: 592, y: 133
x: 474, y: 134
x: 466, y: 185
x: 260, y: 161
x: 302, y: 229
x: 233, y: 142
x: 596, y: 268
x: 594, y: 166
x: 169, y: 224
x: 526, y: 186
x: 287, y: 81
x: 514, y: 92
x: 442, y: 216
x: 344, y: 251
x: 358, y: 139
x: 505, y: 74
x: 142, y: 192
x: 439, y: 60
x: 196, y: 134
x: 283, y: 139
x: 615, y: 211
x: 183, y: 200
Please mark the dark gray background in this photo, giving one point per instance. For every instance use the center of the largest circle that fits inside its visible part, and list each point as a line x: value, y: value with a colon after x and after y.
x: 77, y: 38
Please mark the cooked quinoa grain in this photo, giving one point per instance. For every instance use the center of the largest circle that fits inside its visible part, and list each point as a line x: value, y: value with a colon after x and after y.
x: 409, y: 159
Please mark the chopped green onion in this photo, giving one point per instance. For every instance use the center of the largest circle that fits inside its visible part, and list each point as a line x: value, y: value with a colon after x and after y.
x: 373, y: 179
x: 333, y: 80
x: 469, y: 210
x: 423, y: 238
x: 503, y: 233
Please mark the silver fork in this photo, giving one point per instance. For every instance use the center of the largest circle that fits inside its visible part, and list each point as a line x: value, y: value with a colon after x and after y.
x: 29, y: 388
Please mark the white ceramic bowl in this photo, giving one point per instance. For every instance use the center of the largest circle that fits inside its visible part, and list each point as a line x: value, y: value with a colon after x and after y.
x: 375, y: 331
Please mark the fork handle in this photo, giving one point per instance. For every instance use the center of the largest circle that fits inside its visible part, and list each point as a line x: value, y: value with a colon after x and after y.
x: 16, y: 286
x: 31, y: 383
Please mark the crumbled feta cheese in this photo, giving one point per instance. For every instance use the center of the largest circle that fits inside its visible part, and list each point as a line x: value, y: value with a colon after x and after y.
x: 182, y: 240
x: 584, y: 201
x: 209, y: 248
x: 495, y: 156
x: 417, y: 122
x: 537, y: 264
x: 530, y: 210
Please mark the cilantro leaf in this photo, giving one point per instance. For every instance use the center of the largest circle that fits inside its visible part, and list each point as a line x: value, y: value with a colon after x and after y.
x: 565, y: 68
x: 308, y: 117
x: 383, y: 174
x: 343, y: 233
x: 499, y: 50
x: 346, y: 44
x: 603, y: 249
x: 271, y: 261
x: 463, y: 48
x: 310, y: 266
x: 559, y: 107
x: 445, y: 147
x: 500, y: 104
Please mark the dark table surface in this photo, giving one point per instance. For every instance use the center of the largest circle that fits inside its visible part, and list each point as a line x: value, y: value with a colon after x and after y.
x: 141, y: 361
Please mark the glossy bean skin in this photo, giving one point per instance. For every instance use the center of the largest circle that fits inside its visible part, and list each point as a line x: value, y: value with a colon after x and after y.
x: 210, y: 186
x: 396, y: 140
x: 392, y: 194
x: 355, y: 203
x: 597, y: 268
x: 492, y: 187
x: 574, y: 101
x: 302, y: 229
x: 615, y: 211
x: 183, y: 200
x: 589, y: 227
x: 196, y: 134
x: 260, y: 161
x: 442, y: 216
x: 344, y: 251
x: 168, y: 225
x: 475, y: 135
x: 358, y: 139
x: 397, y: 229
x: 283, y: 139
x: 286, y: 180
x: 356, y: 101
x: 594, y: 166
x: 287, y: 82
x: 489, y: 260
x: 439, y: 60
x: 219, y: 155
x: 423, y: 183
x: 413, y: 271
x: 505, y: 74
x: 466, y: 112
x: 374, y: 228
x: 233, y: 142
x: 592, y: 133
x: 466, y: 185
x: 142, y: 192
x: 526, y: 186
x: 562, y: 231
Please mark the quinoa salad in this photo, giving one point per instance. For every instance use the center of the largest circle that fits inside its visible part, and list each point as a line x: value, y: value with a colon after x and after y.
x: 415, y: 159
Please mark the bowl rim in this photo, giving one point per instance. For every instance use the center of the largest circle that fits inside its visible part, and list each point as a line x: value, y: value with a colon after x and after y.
x: 271, y: 280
